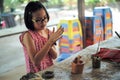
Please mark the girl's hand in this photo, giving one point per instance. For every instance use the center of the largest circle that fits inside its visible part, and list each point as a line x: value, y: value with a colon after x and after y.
x: 56, y: 35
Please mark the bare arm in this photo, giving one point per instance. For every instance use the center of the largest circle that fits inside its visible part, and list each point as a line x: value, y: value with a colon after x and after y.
x: 53, y: 52
x: 30, y: 46
x: 36, y: 57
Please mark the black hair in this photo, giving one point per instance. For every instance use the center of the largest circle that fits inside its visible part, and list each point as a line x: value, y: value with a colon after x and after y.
x: 29, y: 9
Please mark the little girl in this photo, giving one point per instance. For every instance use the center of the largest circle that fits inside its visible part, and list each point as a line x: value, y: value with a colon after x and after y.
x: 38, y: 41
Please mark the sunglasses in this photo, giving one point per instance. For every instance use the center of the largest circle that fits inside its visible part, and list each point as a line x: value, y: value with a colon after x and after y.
x: 40, y: 20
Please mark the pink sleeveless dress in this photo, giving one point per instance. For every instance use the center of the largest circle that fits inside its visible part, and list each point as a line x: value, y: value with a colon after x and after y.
x: 39, y: 43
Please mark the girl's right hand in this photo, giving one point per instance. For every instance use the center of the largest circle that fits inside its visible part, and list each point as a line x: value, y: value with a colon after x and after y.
x: 56, y: 35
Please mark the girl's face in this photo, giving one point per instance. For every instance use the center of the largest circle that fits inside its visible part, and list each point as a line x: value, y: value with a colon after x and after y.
x: 39, y: 19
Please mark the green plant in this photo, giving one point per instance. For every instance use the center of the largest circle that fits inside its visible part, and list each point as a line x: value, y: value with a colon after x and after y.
x: 11, y: 4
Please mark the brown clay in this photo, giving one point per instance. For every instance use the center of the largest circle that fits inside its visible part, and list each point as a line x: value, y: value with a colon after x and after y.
x: 77, y: 68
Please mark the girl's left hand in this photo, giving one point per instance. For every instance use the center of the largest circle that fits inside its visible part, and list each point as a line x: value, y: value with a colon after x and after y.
x: 56, y: 35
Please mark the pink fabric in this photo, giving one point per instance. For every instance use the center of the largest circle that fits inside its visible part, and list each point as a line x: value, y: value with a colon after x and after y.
x: 39, y: 43
x: 109, y: 54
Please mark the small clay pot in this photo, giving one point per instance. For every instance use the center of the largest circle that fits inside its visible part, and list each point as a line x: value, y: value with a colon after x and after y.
x: 77, y: 68
x: 96, y: 62
x: 48, y: 75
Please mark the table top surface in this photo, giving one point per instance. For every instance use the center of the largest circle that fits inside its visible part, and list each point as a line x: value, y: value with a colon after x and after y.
x: 107, y: 71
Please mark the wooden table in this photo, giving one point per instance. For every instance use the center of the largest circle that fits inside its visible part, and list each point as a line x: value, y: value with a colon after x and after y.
x: 107, y: 71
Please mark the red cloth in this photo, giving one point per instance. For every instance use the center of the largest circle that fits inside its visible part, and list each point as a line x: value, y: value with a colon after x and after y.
x: 109, y: 54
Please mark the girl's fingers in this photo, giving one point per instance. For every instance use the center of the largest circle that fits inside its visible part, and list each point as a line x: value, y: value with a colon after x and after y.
x: 58, y: 38
x: 58, y: 34
x: 60, y: 29
x: 61, y: 32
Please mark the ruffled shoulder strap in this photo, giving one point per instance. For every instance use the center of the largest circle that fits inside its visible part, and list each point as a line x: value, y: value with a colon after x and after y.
x: 21, y: 37
x: 32, y: 33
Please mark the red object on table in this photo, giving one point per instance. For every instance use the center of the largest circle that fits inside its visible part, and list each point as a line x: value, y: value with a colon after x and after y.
x: 109, y: 54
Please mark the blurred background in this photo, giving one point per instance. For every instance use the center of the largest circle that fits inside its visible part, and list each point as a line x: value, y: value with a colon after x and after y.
x: 12, y: 63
